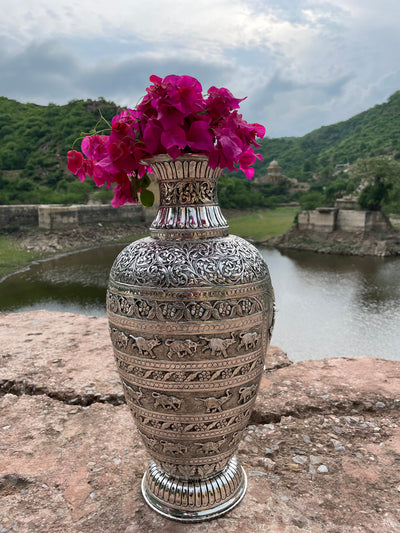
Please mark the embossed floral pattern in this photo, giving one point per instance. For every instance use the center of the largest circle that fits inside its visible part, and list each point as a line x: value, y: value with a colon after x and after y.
x: 154, y: 263
x: 175, y: 311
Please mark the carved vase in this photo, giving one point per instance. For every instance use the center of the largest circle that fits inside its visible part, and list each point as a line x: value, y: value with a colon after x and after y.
x: 190, y: 313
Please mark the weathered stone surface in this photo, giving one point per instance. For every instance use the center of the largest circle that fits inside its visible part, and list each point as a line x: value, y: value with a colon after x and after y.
x: 321, y: 453
x: 331, y: 385
x: 63, y: 355
x: 67, y: 356
x: 276, y: 358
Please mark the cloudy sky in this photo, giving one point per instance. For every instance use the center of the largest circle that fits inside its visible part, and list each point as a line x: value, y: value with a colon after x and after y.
x: 301, y: 63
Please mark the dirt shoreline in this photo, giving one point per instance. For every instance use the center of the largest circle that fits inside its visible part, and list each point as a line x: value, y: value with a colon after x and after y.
x: 49, y: 242
x: 53, y: 242
x: 68, y: 240
x: 339, y: 242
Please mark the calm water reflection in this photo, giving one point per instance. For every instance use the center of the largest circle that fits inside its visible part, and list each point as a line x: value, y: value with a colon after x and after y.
x: 330, y: 306
x: 326, y: 305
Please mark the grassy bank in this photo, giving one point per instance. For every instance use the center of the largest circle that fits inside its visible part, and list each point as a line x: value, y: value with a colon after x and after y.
x: 262, y: 225
x: 13, y: 257
x: 257, y: 226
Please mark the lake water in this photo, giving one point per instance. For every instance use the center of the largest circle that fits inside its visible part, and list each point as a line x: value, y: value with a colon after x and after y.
x: 326, y: 305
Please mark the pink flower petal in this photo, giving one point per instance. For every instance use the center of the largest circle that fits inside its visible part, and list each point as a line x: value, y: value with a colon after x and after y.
x: 173, y: 137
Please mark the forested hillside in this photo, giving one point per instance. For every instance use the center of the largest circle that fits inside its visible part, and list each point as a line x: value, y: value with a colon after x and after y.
x: 372, y: 133
x: 34, y: 141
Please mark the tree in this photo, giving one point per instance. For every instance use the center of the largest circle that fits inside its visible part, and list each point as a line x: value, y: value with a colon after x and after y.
x: 375, y: 177
x: 311, y: 200
x: 335, y: 189
x: 372, y: 196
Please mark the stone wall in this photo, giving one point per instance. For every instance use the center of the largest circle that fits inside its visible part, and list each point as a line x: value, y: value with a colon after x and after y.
x: 376, y: 220
x: 59, y: 216
x: 326, y: 220
x: 321, y: 219
x: 18, y: 215
x: 351, y: 220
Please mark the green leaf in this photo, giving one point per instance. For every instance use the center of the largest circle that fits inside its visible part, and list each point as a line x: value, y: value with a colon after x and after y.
x: 145, y: 181
x: 147, y: 198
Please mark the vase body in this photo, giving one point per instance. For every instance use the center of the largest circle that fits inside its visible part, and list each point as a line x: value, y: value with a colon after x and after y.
x: 190, y: 313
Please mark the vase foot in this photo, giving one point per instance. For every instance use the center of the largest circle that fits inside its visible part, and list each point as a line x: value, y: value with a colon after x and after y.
x: 197, y: 499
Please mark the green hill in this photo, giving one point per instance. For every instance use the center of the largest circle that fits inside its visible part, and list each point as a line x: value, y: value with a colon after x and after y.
x: 34, y: 141
x: 369, y: 134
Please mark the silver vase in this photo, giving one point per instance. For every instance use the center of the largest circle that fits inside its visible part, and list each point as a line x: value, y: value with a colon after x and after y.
x: 190, y: 313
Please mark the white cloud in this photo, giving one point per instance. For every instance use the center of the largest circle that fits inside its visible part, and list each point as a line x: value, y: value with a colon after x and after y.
x: 153, y: 20
x: 302, y: 63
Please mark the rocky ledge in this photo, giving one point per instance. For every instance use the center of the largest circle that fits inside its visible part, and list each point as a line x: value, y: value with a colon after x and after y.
x: 340, y: 242
x: 90, y: 236
x: 321, y: 453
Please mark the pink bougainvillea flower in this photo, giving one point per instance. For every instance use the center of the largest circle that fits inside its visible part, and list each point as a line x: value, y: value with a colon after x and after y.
x: 230, y: 144
x: 174, y: 136
x: 122, y: 153
x: 183, y: 93
x: 152, y: 136
x: 154, y: 79
x: 122, y: 195
x: 220, y: 102
x: 76, y: 164
x: 169, y: 117
x: 246, y: 132
x: 174, y: 118
x: 103, y: 173
x: 189, y: 97
x: 247, y: 159
x: 118, y: 151
x: 95, y: 147
x: 259, y: 129
x: 199, y: 137
x: 217, y: 158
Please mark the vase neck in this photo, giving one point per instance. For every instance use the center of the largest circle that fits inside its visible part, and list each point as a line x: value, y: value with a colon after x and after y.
x: 188, y: 199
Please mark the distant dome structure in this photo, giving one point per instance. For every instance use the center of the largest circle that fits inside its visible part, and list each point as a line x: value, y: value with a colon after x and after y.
x: 274, y: 173
x: 274, y: 176
x: 274, y: 164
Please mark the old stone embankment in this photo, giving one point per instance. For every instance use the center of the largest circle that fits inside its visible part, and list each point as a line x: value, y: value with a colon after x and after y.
x: 91, y: 236
x: 382, y: 244
x: 341, y: 230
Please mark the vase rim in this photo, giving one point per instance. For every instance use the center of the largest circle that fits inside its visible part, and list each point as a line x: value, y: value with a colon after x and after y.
x: 161, y: 158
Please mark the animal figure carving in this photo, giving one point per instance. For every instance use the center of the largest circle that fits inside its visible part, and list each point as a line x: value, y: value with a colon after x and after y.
x: 150, y: 442
x: 246, y: 393
x: 181, y: 348
x: 210, y: 447
x: 214, y: 405
x: 249, y: 340
x: 218, y: 345
x: 166, y: 402
x: 173, y: 447
x: 146, y: 346
x: 120, y: 339
x: 136, y: 395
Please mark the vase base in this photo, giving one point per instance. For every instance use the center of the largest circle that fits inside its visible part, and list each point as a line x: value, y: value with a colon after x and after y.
x: 194, y: 500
